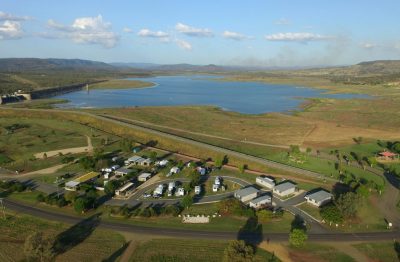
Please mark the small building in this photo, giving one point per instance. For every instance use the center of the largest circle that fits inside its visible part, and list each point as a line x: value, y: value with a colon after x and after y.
x: 319, y: 198
x: 72, y: 185
x: 197, y: 190
x: 162, y: 163
x: 218, y: 180
x: 122, y: 171
x: 144, y: 177
x: 171, y: 185
x: 159, y: 190
x: 174, y: 170
x: 135, y: 160
x: 144, y: 162
x: 265, y: 182
x: 107, y: 175
x: 180, y: 192
x: 260, y: 201
x: 115, y: 167
x: 125, y: 190
x: 284, y: 189
x: 246, y: 194
x: 387, y: 156
x: 202, y: 171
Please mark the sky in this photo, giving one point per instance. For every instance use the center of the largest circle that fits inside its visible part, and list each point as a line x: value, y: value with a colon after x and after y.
x: 223, y: 32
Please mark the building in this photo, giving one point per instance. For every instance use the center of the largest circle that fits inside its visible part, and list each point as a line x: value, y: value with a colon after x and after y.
x: 72, y: 185
x: 122, y: 171
x: 134, y: 160
x: 162, y: 163
x: 265, y: 182
x: 215, y: 188
x: 202, y: 171
x: 284, y: 189
x: 159, y: 190
x: 180, y: 192
x: 144, y: 162
x: 144, y: 177
x: 318, y: 198
x: 218, y: 181
x: 174, y: 170
x: 246, y: 194
x: 125, y: 190
x: 197, y: 190
x: 387, y: 156
x: 260, y: 201
x: 171, y: 186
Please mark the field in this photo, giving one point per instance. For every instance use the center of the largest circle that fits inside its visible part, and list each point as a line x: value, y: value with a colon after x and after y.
x: 120, y: 84
x: 186, y: 250
x: 318, y: 252
x: 94, y: 245
x: 381, y: 251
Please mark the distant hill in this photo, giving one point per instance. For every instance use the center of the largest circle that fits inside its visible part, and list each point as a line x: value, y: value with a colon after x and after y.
x: 37, y: 64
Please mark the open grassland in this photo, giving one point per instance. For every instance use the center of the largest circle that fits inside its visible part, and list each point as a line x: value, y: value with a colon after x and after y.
x: 178, y: 250
x: 120, y: 84
x: 380, y: 251
x: 317, y: 252
x: 40, y: 103
x: 95, y: 245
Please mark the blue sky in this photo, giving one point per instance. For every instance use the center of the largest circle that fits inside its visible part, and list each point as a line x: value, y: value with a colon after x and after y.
x: 255, y: 33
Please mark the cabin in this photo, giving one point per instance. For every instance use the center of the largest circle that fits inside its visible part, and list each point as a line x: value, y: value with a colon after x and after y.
x: 162, y: 163
x: 144, y: 162
x: 122, y: 171
x: 171, y: 185
x: 261, y: 201
x: 318, y: 198
x: 246, y: 194
x: 387, y: 156
x: 266, y: 182
x: 72, y: 185
x: 285, y: 188
x: 144, y: 177
x: 133, y: 160
x: 159, y: 190
x: 180, y: 192
x: 125, y: 190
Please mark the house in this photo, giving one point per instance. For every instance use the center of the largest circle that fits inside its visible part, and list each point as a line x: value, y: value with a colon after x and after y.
x: 180, y: 192
x: 144, y: 162
x: 144, y: 177
x: 260, y: 201
x: 122, y: 171
x: 134, y: 160
x: 159, y: 190
x: 215, y: 188
x: 387, y: 156
x: 72, y: 185
x: 318, y: 198
x: 162, y: 163
x: 171, y: 186
x: 197, y: 190
x: 265, y: 182
x: 174, y: 170
x: 284, y: 189
x: 246, y: 194
x: 125, y: 190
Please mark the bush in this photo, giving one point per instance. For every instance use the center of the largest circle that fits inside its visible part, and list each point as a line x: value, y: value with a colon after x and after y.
x: 330, y: 213
x: 234, y: 207
x: 40, y: 198
x: 297, y: 237
x: 238, y: 251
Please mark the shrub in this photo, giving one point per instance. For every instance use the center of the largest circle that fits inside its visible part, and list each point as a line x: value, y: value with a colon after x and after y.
x: 297, y: 237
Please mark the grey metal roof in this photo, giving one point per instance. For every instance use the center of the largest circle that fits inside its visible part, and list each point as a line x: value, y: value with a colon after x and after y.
x: 260, y: 199
x: 246, y: 191
x: 123, y: 170
x: 284, y: 186
x: 320, y: 196
x: 267, y: 180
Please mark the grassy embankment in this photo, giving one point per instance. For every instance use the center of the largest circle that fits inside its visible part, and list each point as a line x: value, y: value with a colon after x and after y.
x: 80, y: 243
x: 121, y: 84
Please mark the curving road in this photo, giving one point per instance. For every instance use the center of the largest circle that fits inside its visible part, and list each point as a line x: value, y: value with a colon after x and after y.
x: 122, y: 227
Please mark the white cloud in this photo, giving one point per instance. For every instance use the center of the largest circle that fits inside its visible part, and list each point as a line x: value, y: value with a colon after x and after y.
x: 192, y: 31
x: 10, y: 17
x: 234, y: 36
x: 163, y: 36
x: 127, y: 30
x: 297, y: 37
x: 10, y: 30
x: 282, y: 21
x: 368, y: 45
x: 183, y: 44
x: 87, y: 30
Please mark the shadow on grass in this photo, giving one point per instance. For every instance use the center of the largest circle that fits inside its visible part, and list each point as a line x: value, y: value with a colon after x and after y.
x: 117, y: 254
x: 76, y: 234
x: 251, y: 232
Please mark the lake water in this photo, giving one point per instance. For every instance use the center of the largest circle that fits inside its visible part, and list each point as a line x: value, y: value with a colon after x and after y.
x: 243, y: 97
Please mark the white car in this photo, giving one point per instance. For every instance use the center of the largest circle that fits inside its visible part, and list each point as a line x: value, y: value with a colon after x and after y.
x: 146, y: 195
x: 180, y: 192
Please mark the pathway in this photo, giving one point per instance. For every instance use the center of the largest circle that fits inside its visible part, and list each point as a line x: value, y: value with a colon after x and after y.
x: 65, y: 151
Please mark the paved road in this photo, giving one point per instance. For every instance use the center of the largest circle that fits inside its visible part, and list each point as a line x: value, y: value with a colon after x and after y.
x: 117, y: 226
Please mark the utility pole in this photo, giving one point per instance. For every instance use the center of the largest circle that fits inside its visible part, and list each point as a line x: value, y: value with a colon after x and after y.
x: 3, y: 208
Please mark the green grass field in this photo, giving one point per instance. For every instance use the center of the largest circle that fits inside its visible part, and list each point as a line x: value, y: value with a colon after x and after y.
x: 121, y: 84
x: 180, y: 250
x: 97, y: 246
x: 380, y: 251
x: 318, y: 252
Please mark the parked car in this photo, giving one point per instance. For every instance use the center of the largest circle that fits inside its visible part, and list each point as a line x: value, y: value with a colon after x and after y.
x: 146, y: 195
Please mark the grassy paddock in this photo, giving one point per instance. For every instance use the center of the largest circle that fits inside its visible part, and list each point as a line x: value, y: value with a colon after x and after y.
x: 317, y: 252
x: 380, y: 251
x: 186, y: 250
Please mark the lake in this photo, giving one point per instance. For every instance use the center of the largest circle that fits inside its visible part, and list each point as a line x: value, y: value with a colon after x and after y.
x: 243, y: 97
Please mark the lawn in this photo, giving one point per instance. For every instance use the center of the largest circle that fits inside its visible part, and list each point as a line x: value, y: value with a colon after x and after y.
x: 95, y: 245
x: 380, y: 251
x: 310, y: 209
x: 317, y: 252
x: 186, y: 250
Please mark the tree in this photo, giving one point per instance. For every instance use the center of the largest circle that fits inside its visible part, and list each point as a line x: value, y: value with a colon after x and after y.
x: 81, y: 204
x: 294, y: 149
x: 187, y: 201
x: 218, y: 162
x: 297, y: 237
x: 238, y: 251
x: 111, y: 186
x: 87, y: 162
x: 264, y: 215
x: 372, y: 161
x: 347, y: 204
x: 38, y: 248
x: 330, y: 213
